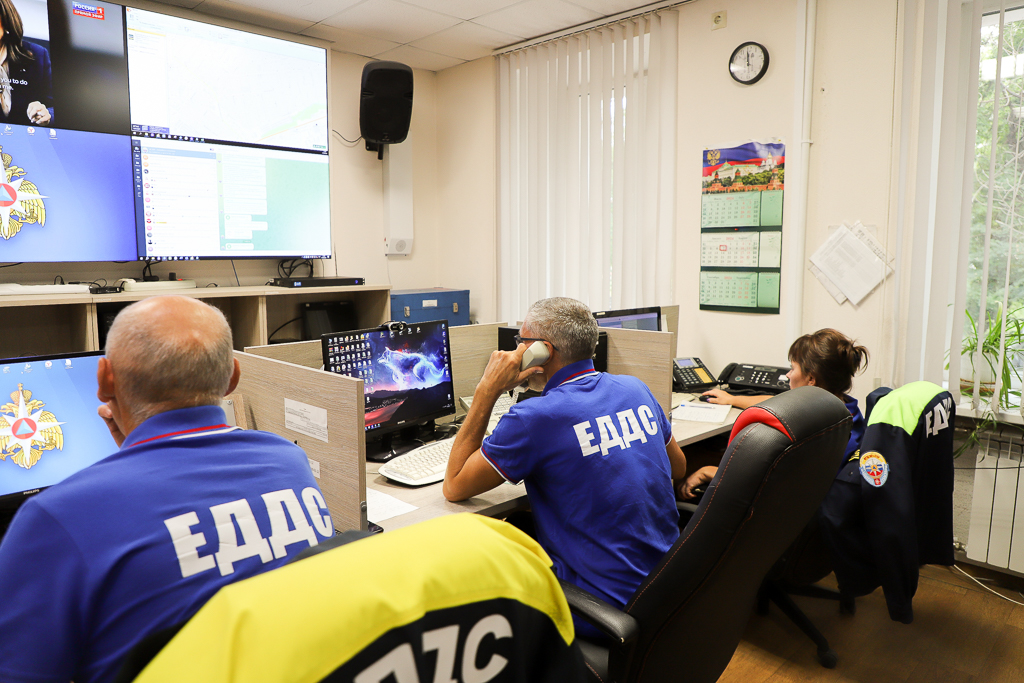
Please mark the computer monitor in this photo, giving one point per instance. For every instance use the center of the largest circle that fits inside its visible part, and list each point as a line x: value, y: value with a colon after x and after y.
x: 231, y: 131
x: 136, y: 135
x: 648, y: 318
x: 507, y: 342
x: 49, y: 428
x: 407, y: 378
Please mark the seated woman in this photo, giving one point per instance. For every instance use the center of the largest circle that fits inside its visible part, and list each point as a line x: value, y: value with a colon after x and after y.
x: 827, y: 359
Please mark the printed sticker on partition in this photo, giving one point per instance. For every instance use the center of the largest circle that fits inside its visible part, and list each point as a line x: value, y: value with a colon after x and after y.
x: 874, y: 468
x: 305, y: 419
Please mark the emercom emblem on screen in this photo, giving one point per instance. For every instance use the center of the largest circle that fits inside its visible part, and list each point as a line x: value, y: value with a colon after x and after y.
x: 26, y: 430
x: 20, y: 201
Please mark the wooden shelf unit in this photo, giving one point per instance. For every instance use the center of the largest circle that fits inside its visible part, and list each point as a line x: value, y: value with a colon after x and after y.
x: 48, y: 324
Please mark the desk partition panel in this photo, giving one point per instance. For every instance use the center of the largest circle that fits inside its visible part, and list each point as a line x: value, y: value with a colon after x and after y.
x: 308, y: 354
x: 293, y: 401
x: 647, y: 356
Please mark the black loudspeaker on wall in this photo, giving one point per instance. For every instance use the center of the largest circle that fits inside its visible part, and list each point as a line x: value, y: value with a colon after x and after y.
x: 385, y: 104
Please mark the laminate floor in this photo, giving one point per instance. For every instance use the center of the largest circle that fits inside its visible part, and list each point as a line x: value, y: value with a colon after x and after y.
x: 960, y: 634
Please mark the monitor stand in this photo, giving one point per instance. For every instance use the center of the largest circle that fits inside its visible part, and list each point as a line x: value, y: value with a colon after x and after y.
x: 398, y: 443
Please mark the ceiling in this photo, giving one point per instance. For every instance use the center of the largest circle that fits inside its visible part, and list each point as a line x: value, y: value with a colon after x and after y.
x: 425, y: 34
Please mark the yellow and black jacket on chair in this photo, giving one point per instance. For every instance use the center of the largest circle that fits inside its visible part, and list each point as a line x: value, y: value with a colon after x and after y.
x: 459, y: 598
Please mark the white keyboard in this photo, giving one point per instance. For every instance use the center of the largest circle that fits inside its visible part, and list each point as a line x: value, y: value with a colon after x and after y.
x: 422, y: 466
x: 501, y: 406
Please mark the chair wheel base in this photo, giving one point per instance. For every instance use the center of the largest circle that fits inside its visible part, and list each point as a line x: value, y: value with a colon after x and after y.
x: 828, y: 658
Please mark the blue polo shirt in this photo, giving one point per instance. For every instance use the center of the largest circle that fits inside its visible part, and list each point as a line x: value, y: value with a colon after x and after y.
x: 591, y: 450
x: 140, y: 540
x: 857, y: 433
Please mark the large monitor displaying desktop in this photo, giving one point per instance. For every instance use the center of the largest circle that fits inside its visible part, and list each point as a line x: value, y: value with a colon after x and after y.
x: 648, y: 318
x: 130, y: 134
x: 48, y: 424
x: 407, y: 377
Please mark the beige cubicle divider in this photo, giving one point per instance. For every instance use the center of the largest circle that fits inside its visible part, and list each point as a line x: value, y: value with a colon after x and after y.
x: 471, y: 347
x: 671, y: 315
x: 646, y: 355
x: 339, y: 455
x: 308, y: 354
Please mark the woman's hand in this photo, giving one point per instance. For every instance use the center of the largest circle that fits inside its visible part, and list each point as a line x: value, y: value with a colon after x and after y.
x: 719, y: 396
x: 698, y: 478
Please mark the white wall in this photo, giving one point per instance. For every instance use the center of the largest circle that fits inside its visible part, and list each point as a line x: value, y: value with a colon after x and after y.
x: 849, y: 159
x: 467, y: 163
x: 849, y: 162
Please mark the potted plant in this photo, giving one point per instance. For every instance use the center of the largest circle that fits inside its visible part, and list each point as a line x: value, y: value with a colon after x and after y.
x: 990, y: 368
x: 988, y: 340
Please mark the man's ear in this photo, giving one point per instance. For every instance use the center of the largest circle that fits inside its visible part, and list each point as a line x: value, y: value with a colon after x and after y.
x: 235, y: 375
x: 105, y: 380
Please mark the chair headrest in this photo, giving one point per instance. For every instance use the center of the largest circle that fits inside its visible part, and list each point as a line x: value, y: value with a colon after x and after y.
x: 788, y: 413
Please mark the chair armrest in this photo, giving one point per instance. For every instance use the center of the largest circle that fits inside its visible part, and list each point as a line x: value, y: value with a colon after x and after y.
x: 610, y: 620
x: 686, y: 507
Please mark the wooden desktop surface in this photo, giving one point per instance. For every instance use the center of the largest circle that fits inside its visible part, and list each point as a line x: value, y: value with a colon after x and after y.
x: 687, y: 433
x: 506, y: 498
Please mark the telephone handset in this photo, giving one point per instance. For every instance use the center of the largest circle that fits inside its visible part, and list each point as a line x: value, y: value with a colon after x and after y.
x: 536, y: 354
x: 755, y: 379
x: 690, y: 375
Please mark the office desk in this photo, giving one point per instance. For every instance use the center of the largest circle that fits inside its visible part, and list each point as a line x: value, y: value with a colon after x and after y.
x: 506, y: 498
x: 687, y: 433
x: 431, y: 503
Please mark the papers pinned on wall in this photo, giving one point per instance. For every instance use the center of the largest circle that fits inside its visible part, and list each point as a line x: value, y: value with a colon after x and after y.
x: 851, y: 263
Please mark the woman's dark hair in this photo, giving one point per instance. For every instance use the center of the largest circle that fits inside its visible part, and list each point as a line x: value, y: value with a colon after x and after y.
x: 14, y: 31
x: 830, y: 357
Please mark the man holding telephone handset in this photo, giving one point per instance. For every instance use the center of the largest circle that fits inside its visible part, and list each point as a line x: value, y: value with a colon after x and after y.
x: 596, y: 452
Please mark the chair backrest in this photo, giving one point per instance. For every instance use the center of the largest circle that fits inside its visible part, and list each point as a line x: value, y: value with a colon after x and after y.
x: 782, y: 456
x: 462, y: 597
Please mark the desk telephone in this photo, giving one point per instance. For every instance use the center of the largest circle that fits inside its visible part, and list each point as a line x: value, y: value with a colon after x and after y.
x: 691, y: 375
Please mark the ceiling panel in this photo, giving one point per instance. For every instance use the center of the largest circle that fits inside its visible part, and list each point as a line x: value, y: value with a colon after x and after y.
x: 347, y: 41
x: 391, y: 20
x: 425, y: 34
x: 420, y: 59
x: 537, y: 17
x: 463, y: 9
x: 253, y: 15
x: 609, y: 7
x: 466, y: 41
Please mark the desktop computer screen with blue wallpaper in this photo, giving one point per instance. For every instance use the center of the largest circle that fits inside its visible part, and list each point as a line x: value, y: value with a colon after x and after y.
x: 129, y: 134
x: 49, y: 428
x: 406, y: 373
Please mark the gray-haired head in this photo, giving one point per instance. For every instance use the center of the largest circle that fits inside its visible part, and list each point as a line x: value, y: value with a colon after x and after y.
x: 566, y: 323
x: 169, y: 352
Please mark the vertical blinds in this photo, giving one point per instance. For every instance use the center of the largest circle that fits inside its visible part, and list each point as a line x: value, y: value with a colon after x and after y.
x: 587, y: 166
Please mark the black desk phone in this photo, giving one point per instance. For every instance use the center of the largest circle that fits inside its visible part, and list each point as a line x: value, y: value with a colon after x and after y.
x: 690, y: 375
x: 757, y: 379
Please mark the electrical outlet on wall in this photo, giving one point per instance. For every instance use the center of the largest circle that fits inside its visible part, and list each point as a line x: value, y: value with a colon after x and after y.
x: 719, y: 20
x: 876, y: 382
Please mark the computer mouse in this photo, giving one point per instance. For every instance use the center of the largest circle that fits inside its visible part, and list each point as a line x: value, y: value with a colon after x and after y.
x: 704, y: 397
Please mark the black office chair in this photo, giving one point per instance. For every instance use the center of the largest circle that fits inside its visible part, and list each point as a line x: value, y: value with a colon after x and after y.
x: 782, y: 457
x: 459, y: 597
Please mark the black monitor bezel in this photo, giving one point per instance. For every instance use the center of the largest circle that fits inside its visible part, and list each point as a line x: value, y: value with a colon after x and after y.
x: 599, y: 315
x: 11, y: 501
x: 375, y: 434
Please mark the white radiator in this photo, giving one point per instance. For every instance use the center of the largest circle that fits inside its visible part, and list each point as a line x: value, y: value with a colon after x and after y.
x: 997, y: 510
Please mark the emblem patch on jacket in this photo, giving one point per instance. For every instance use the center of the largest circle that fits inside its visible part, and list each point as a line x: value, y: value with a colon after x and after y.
x: 874, y: 468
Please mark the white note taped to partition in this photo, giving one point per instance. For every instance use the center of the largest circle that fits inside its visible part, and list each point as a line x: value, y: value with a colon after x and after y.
x: 305, y: 419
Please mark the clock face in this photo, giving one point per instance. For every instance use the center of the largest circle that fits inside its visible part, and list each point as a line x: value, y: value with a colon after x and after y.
x: 748, y: 63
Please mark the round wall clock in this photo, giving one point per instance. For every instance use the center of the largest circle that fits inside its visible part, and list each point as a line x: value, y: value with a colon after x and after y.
x: 748, y: 63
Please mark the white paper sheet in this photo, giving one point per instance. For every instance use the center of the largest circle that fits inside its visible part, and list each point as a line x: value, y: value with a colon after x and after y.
x: 829, y: 286
x: 697, y: 411
x: 381, y: 506
x: 849, y: 263
x: 305, y: 419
